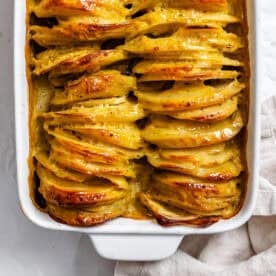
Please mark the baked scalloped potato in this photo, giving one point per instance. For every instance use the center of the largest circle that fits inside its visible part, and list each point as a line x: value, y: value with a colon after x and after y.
x: 138, y: 109
x: 170, y: 133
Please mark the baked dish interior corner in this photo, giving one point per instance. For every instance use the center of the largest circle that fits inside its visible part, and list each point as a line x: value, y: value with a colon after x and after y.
x: 138, y: 109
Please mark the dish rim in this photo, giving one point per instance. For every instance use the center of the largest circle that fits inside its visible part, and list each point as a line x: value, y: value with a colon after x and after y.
x: 124, y: 225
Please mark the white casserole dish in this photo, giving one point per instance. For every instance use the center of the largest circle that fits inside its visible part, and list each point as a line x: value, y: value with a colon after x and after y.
x: 125, y: 239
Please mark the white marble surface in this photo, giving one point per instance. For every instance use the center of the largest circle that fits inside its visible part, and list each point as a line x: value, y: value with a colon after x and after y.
x: 25, y: 249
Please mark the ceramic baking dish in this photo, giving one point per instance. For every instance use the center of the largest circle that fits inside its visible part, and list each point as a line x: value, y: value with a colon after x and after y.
x: 125, y: 239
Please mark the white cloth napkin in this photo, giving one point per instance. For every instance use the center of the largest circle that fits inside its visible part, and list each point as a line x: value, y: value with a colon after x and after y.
x: 249, y: 250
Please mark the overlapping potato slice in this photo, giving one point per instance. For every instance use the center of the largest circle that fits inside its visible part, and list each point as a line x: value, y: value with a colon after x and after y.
x: 104, y: 101
x: 88, y: 165
x: 65, y: 192
x: 88, y: 216
x: 209, y: 189
x: 153, y: 23
x: 128, y: 112
x: 215, y: 57
x: 104, y: 9
x: 88, y: 63
x: 171, y: 216
x: 185, y: 41
x: 54, y: 57
x: 92, y: 148
x: 170, y: 133
x: 205, y: 5
x: 43, y: 159
x: 103, y: 84
x: 126, y: 135
x: 196, y: 196
x: 76, y: 30
x: 218, y: 162
x: 182, y: 71
x: 65, y: 60
x: 202, y: 156
x: 188, y: 96
x: 232, y: 167
x: 209, y: 114
x: 71, y: 175
x: 88, y: 156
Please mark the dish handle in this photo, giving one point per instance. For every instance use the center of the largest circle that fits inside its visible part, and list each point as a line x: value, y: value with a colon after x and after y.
x: 136, y: 247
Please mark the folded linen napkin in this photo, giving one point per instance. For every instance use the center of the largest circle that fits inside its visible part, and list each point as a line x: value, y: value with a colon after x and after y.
x: 249, y: 250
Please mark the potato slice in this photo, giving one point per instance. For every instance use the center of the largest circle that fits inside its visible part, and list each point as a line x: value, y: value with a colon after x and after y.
x: 85, y: 217
x: 76, y: 30
x: 197, y: 196
x: 64, y: 192
x: 204, y: 5
x: 169, y: 216
x: 89, y: 156
x: 104, y: 84
x: 182, y: 71
x: 152, y: 22
x: 92, y: 148
x: 224, y: 208
x: 70, y: 175
x: 88, y: 165
x: 60, y: 172
x: 209, y: 114
x: 128, y: 112
x: 104, y: 101
x: 227, y: 166
x: 51, y: 58
x: 107, y: 9
x: 216, y: 58
x: 63, y: 60
x: 89, y: 63
x: 126, y: 135
x: 188, y: 96
x: 170, y: 133
x: 186, y: 40
x: 209, y: 189
x: 202, y: 156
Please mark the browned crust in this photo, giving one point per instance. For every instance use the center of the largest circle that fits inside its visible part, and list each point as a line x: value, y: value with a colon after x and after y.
x: 82, y: 5
x: 80, y: 218
x: 210, y: 187
x: 91, y: 85
x: 79, y: 32
x: 63, y: 197
x: 219, y: 177
x: 200, y: 222
x: 89, y: 59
